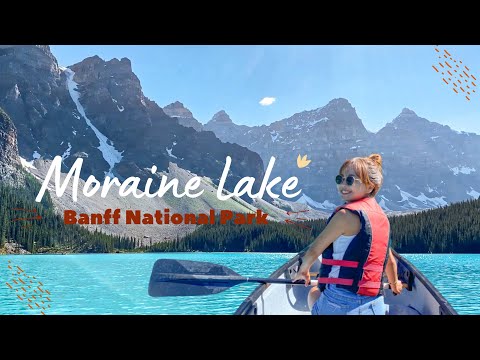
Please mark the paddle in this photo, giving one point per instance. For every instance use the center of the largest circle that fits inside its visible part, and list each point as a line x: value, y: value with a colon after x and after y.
x: 190, y: 278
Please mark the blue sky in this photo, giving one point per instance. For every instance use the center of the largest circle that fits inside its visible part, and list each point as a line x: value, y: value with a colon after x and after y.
x: 379, y: 81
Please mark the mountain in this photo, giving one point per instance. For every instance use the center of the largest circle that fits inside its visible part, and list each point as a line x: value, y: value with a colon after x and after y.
x: 225, y: 128
x: 324, y: 134
x: 33, y: 91
x: 428, y: 164
x: 96, y: 110
x: 184, y: 116
x: 115, y: 104
x: 425, y: 164
x: 10, y: 167
x: 155, y: 232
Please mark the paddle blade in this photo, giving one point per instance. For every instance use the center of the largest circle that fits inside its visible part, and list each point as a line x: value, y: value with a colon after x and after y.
x: 190, y: 278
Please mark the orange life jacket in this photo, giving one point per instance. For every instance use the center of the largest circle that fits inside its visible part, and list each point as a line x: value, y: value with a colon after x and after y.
x: 364, y: 261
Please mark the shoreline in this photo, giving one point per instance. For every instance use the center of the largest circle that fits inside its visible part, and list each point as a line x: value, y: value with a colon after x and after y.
x: 26, y: 253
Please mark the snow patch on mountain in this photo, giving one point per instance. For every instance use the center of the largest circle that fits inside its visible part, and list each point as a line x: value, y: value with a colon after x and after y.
x: 111, y: 155
x: 311, y: 123
x: 66, y: 153
x: 26, y: 164
x: 473, y: 193
x: 326, y: 205
x: 274, y: 135
x: 169, y: 151
x: 429, y: 202
x: 463, y: 169
x: 119, y: 107
x: 383, y: 205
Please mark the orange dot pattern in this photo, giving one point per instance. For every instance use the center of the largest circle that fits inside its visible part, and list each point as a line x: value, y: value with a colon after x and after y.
x: 23, y: 284
x: 465, y: 80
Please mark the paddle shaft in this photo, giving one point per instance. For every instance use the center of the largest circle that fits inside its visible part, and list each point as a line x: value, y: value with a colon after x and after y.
x: 172, y: 277
x: 234, y: 280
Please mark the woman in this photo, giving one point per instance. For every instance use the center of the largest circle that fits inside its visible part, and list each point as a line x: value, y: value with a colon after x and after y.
x: 355, y: 247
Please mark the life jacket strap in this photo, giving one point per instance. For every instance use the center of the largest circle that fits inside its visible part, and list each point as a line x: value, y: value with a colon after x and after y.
x: 336, y: 281
x: 369, y: 284
x: 345, y: 263
x: 373, y: 267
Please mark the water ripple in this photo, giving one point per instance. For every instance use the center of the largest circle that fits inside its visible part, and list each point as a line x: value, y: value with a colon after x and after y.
x: 117, y: 283
x: 456, y: 276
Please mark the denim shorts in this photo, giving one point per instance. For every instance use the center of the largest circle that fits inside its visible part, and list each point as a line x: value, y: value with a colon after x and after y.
x: 338, y: 301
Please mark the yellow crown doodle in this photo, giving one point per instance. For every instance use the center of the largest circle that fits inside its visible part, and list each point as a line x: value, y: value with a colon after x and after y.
x: 302, y: 161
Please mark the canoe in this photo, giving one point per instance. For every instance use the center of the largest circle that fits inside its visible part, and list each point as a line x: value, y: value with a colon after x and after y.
x: 419, y: 298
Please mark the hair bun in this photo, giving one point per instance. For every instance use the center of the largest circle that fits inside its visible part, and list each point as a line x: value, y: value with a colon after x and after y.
x: 377, y: 159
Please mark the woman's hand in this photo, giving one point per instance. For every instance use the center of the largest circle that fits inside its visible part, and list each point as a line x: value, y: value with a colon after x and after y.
x: 396, y: 287
x: 303, y: 273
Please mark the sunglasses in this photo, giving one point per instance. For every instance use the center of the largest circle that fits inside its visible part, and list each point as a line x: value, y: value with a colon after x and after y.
x: 349, y: 180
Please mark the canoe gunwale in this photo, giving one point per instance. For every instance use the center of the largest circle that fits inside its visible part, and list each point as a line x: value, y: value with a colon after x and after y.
x: 248, y: 305
x: 445, y: 307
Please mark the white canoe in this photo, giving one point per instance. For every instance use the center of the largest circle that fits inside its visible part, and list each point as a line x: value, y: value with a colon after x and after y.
x: 420, y: 298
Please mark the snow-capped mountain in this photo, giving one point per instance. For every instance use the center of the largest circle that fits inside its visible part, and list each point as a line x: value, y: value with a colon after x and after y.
x: 425, y: 164
x: 96, y: 110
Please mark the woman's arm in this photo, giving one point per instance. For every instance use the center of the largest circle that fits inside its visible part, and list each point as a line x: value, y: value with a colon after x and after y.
x: 391, y: 270
x: 343, y: 222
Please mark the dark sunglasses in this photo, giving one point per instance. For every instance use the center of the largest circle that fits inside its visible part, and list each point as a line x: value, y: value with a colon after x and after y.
x: 349, y: 180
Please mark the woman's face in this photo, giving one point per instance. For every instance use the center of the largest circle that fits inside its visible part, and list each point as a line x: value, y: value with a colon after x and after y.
x: 353, y: 192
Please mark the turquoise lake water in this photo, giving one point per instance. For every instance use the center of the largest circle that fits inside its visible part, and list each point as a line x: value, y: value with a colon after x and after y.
x: 118, y: 283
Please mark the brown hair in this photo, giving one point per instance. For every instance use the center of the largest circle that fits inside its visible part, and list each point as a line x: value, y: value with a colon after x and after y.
x: 368, y: 169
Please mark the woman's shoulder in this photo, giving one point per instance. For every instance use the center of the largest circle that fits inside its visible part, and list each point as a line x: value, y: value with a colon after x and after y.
x: 345, y: 215
x: 349, y: 222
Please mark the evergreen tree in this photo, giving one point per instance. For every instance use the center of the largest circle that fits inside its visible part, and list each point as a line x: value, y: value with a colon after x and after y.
x: 453, y: 228
x: 49, y: 231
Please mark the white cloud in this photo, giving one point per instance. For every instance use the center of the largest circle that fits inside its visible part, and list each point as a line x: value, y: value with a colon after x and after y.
x: 266, y: 101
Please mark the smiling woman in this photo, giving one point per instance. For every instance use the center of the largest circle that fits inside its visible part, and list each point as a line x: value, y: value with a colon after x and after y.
x: 355, y: 247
